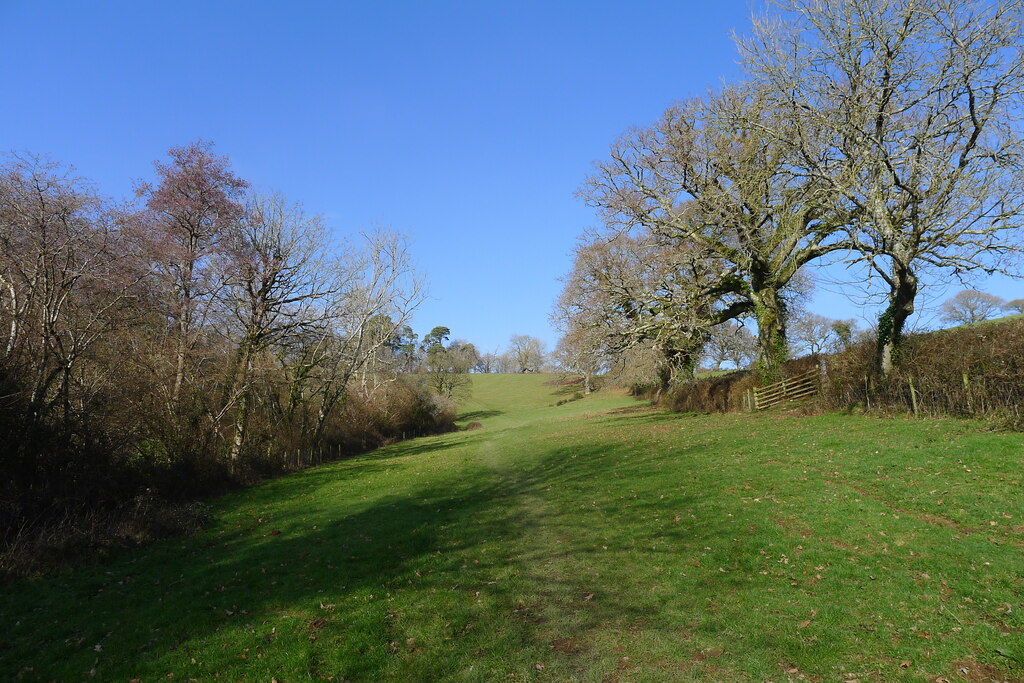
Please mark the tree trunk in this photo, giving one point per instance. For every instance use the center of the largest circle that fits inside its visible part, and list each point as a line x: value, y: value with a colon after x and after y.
x: 890, y: 324
x: 238, y: 439
x: 65, y: 398
x: 242, y: 414
x: 184, y: 321
x: 679, y: 365
x: 770, y: 311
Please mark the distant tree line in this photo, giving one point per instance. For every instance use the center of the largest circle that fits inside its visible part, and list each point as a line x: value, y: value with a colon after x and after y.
x: 448, y: 365
x: 881, y: 135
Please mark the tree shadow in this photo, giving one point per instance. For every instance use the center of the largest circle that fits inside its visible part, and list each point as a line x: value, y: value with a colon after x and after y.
x: 353, y: 588
x: 566, y: 386
x: 364, y: 464
x: 478, y: 415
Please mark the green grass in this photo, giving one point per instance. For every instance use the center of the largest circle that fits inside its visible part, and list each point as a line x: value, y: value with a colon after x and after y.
x: 597, y: 540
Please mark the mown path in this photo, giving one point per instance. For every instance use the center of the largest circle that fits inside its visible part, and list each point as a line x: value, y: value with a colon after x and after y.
x: 597, y: 540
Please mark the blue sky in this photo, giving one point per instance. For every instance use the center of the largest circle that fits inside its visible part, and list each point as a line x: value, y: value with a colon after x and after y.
x: 467, y: 125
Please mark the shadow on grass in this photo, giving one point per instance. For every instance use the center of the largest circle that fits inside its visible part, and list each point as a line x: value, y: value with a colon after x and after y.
x: 478, y: 415
x: 429, y: 550
x: 387, y: 460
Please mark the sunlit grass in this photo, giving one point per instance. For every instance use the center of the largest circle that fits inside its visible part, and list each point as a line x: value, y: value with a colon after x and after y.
x: 597, y: 540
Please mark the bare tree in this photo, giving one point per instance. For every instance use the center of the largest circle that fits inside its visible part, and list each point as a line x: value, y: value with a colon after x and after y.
x: 527, y: 353
x: 277, y: 280
x: 375, y: 282
x: 196, y: 199
x: 69, y: 276
x: 716, y: 174
x: 505, y: 363
x: 814, y: 333
x: 645, y: 289
x: 920, y: 104
x: 581, y: 317
x: 971, y: 306
x: 1014, y: 306
x: 582, y: 352
x: 488, y: 362
x: 730, y: 342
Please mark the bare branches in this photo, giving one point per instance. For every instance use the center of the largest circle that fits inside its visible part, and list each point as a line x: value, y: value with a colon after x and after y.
x: 719, y: 176
x: 67, y: 275
x: 920, y: 107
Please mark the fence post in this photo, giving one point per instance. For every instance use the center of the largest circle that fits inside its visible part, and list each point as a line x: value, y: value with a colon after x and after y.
x: 967, y: 394
x: 822, y: 380
x: 913, y: 396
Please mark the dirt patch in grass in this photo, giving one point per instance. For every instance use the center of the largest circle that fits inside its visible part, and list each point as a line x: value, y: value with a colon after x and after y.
x: 569, y: 646
x: 976, y: 672
x: 793, y: 525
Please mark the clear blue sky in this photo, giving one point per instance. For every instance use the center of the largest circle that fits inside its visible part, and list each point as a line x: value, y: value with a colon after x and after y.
x: 466, y: 125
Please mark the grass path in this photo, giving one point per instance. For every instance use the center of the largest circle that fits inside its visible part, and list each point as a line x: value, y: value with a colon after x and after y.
x: 599, y: 540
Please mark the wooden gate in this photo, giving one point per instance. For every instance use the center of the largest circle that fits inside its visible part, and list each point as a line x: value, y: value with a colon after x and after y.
x: 791, y: 389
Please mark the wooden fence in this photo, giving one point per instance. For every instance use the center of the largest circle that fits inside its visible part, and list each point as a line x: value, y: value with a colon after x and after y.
x: 791, y: 389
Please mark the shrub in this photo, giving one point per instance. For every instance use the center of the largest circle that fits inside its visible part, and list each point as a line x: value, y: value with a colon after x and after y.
x: 967, y: 371
x: 64, y: 487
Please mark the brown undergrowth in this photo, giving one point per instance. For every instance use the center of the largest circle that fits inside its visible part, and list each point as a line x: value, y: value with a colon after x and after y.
x: 970, y: 371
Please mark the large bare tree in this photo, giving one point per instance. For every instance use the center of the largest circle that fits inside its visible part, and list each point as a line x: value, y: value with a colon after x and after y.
x: 526, y: 352
x: 643, y: 289
x: 277, y: 280
x: 69, y: 276
x: 195, y: 200
x: 919, y: 102
x: 715, y: 172
x: 378, y: 291
x: 583, y: 347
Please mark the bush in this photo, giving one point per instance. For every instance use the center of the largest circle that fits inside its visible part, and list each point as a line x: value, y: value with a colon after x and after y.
x: 89, y: 533
x: 976, y: 370
x: 401, y: 411
x: 576, y: 395
x: 64, y: 487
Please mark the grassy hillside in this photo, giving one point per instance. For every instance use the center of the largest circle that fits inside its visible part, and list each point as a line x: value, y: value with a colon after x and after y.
x: 597, y: 540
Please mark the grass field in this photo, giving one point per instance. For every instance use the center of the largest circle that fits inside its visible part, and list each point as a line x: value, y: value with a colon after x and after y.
x: 596, y: 540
